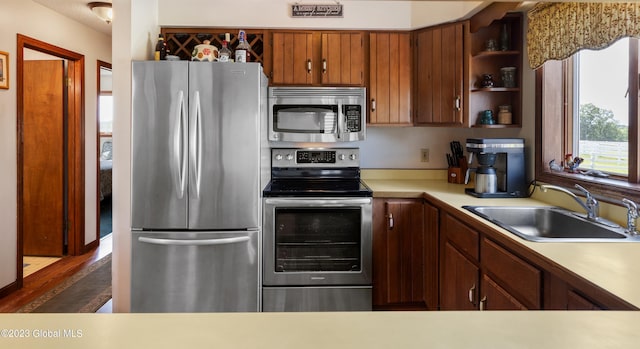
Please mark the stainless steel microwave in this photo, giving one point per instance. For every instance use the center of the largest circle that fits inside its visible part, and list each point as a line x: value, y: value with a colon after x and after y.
x: 317, y: 114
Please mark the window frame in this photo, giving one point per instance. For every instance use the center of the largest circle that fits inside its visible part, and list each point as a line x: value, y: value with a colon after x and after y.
x: 554, y: 107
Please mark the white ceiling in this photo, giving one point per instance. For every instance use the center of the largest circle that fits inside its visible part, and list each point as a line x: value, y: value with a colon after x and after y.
x: 78, y: 10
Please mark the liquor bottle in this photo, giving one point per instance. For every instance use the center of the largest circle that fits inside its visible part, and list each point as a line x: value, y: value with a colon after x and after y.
x: 243, y: 50
x: 160, y: 53
x: 225, y: 53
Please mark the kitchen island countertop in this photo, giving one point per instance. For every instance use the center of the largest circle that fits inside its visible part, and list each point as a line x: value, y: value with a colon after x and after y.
x: 613, y: 266
x: 443, y: 329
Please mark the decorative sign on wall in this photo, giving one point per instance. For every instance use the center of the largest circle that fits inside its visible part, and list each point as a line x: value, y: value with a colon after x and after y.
x: 332, y: 11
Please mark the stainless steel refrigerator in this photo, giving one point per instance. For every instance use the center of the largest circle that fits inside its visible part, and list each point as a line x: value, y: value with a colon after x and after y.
x: 200, y: 159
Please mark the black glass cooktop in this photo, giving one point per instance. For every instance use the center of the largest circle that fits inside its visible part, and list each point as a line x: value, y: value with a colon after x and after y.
x: 321, y: 187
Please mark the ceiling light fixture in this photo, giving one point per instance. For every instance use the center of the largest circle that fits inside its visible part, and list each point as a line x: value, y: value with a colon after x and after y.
x: 102, y: 10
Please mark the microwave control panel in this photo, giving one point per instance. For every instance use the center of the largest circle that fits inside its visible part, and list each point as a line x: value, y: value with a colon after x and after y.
x: 353, y: 115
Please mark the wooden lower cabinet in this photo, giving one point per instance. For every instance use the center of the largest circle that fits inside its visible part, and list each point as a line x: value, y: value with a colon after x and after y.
x: 399, y: 248
x: 476, y: 273
x: 459, y: 278
x: 427, y: 257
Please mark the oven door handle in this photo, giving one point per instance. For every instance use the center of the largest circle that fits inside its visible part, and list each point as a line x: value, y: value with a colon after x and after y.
x: 318, y: 202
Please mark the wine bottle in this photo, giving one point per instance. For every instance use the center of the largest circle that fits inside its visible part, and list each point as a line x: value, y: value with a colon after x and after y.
x: 243, y: 50
x: 160, y: 53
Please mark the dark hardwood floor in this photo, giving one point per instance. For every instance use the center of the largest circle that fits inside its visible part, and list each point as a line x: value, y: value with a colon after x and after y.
x: 43, y: 280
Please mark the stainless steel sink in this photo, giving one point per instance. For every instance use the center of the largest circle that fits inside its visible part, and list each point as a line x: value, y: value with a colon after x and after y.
x: 547, y: 223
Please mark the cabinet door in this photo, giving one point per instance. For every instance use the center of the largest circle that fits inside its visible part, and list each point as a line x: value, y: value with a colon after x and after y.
x: 495, y: 297
x: 439, y: 75
x: 390, y: 78
x: 342, y: 59
x: 459, y: 283
x: 398, y: 252
x: 292, y: 58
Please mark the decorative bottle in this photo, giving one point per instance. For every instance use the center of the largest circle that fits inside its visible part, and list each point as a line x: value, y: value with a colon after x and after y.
x: 160, y: 53
x: 243, y: 50
x: 225, y: 53
x: 504, y: 38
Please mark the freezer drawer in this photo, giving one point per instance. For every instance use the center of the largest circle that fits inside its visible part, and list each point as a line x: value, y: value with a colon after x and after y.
x: 195, y: 272
x: 346, y: 298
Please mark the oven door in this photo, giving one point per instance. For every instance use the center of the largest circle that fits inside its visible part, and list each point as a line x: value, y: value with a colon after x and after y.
x: 304, y: 122
x: 317, y: 241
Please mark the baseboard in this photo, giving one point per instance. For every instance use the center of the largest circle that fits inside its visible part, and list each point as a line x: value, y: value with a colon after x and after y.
x: 10, y: 288
x: 92, y: 245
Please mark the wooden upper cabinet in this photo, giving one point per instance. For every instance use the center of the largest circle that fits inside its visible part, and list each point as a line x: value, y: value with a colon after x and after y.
x: 317, y: 58
x: 342, y: 59
x: 292, y: 58
x: 439, y: 63
x: 390, y: 78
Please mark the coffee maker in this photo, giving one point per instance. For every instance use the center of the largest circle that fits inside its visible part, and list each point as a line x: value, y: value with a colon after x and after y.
x: 501, y: 168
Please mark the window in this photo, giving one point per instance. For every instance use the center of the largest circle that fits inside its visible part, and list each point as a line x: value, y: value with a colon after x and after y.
x: 587, y: 106
x: 601, y: 109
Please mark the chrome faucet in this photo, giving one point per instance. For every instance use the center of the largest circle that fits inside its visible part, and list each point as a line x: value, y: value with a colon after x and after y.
x: 590, y: 204
x: 632, y: 215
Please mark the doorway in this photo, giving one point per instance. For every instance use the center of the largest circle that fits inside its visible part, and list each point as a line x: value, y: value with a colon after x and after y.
x: 60, y: 198
x: 105, y: 149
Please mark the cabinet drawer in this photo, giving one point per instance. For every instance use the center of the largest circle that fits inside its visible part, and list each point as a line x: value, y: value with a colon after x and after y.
x: 462, y: 236
x: 514, y: 274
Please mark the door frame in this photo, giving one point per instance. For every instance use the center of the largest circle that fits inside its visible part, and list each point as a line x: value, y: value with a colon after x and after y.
x: 75, y: 144
x: 100, y: 65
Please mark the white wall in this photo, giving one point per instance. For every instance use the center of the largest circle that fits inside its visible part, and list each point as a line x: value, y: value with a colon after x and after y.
x: 276, y: 14
x: 38, y: 22
x: 135, y: 28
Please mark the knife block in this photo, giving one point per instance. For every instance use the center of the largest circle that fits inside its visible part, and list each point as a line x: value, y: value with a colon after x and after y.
x: 456, y: 174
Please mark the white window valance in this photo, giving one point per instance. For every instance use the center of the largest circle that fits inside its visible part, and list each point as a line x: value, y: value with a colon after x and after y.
x: 558, y: 30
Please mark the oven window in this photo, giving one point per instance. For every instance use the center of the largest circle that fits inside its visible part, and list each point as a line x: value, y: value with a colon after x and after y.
x: 317, y: 239
x: 305, y: 118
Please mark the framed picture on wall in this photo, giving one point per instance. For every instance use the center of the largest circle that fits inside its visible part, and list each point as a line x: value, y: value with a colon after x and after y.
x: 4, y: 70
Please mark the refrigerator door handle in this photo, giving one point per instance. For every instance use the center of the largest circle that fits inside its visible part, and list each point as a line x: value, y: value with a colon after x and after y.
x: 196, y: 144
x: 179, y: 146
x: 204, y: 242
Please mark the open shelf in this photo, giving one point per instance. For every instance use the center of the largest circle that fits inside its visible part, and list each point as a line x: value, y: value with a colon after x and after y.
x: 483, y: 62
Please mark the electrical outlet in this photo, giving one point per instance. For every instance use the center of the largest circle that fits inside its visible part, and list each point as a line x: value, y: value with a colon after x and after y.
x: 424, y: 154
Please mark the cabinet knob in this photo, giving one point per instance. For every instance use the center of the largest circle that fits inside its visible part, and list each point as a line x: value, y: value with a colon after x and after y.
x: 457, y: 103
x: 324, y: 66
x: 483, y: 301
x: 309, y: 66
x: 390, y: 217
x: 373, y: 105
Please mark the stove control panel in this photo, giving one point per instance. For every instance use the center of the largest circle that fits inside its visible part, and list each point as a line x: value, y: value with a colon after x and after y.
x: 315, y: 157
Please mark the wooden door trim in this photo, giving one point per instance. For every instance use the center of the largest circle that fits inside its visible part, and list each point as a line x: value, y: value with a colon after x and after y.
x: 75, y: 129
x: 99, y: 66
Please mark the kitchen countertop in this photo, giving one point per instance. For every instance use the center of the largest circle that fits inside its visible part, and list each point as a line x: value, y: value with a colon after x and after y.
x: 613, y: 266
x: 370, y: 330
